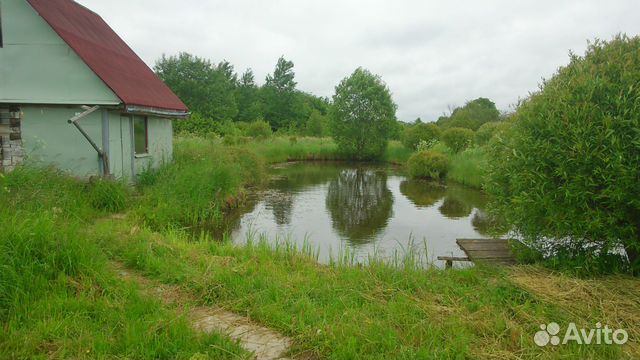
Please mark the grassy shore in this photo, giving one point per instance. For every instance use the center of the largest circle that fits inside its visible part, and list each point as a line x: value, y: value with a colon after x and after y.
x: 60, y: 298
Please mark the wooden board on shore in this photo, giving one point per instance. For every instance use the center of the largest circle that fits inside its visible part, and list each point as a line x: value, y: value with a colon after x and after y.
x: 495, y: 251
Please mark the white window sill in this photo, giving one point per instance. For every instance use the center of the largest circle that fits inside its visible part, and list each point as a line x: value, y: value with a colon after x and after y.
x: 142, y: 156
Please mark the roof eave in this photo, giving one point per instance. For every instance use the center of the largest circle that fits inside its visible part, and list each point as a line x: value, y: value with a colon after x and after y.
x: 145, y: 110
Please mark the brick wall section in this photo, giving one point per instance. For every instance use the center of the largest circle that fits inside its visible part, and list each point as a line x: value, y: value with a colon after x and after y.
x: 11, y: 151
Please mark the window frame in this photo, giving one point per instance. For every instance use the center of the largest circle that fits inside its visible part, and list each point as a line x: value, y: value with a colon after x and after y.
x: 1, y: 38
x: 145, y: 120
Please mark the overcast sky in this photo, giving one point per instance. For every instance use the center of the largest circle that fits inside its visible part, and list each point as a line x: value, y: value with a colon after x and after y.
x: 432, y: 55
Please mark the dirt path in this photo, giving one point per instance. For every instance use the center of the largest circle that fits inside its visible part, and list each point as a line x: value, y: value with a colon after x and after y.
x: 263, y: 342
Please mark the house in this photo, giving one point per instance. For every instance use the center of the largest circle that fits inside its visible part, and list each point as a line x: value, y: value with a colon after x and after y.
x: 74, y: 95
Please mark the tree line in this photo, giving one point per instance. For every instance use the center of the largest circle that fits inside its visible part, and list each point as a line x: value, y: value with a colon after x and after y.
x: 216, y: 94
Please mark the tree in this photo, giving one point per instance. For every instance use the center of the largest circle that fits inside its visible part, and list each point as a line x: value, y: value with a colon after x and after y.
x: 472, y: 115
x: 205, y: 89
x: 248, y: 98
x: 281, y: 103
x: 316, y: 125
x: 362, y: 115
x: 566, y: 174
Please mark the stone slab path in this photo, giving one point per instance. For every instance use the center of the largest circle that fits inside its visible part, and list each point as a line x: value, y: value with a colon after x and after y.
x: 263, y: 342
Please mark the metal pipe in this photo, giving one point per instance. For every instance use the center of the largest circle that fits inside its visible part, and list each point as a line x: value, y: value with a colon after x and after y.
x: 105, y: 141
x: 104, y: 161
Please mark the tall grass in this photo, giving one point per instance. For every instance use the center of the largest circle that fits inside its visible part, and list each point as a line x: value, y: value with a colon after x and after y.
x: 468, y: 167
x: 58, y: 297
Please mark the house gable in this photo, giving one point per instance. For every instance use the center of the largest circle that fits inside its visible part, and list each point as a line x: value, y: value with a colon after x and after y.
x: 38, y: 67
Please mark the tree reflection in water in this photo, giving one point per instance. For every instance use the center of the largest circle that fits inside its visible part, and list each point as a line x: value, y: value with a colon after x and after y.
x: 360, y: 204
x: 422, y: 193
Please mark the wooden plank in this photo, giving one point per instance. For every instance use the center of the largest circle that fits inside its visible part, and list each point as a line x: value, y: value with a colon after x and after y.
x: 5, y: 129
x: 495, y: 251
x: 454, y: 258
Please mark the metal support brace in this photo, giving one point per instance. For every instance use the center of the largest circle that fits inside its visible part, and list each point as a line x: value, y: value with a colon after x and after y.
x: 104, y: 161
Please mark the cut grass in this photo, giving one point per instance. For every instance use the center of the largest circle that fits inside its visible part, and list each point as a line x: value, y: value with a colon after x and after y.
x: 349, y: 312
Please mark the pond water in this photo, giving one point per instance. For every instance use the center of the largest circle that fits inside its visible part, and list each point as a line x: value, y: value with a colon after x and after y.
x: 362, y: 210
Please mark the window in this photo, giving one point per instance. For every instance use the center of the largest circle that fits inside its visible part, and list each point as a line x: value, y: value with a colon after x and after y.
x: 140, y: 135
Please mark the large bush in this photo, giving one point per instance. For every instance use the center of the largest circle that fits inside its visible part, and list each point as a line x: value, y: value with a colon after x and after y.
x: 428, y: 164
x: 457, y: 139
x: 259, y: 129
x: 362, y: 116
x: 412, y: 136
x: 488, y: 130
x: 568, y: 172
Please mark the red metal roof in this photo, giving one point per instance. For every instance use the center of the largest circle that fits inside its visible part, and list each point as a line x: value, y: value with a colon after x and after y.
x: 107, y: 55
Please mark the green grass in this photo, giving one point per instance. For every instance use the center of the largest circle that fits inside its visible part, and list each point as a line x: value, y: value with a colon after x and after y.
x: 352, y: 312
x: 58, y: 296
x: 468, y: 167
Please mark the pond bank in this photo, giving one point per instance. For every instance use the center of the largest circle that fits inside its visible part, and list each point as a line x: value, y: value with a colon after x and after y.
x: 58, y: 238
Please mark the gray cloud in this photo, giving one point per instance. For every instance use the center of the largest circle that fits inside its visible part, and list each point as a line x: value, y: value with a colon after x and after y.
x: 433, y: 55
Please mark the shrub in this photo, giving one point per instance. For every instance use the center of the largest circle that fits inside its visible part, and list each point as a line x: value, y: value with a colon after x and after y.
x: 457, y: 139
x: 414, y: 135
x: 488, y: 130
x: 362, y: 116
x: 428, y: 164
x: 259, y: 129
x: 566, y: 173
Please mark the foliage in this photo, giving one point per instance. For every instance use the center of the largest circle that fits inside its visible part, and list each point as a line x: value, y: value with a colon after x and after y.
x: 316, y: 124
x: 428, y: 164
x: 457, y: 139
x: 259, y: 129
x: 281, y: 103
x: 362, y: 115
x: 488, y: 130
x: 205, y: 88
x: 472, y: 115
x: 566, y: 173
x: 247, y: 94
x: 413, y: 135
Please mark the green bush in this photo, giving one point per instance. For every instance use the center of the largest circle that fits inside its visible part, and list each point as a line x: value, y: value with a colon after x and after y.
x: 259, y: 129
x: 457, y: 139
x: 566, y: 174
x: 428, y: 164
x: 421, y: 132
x: 488, y: 130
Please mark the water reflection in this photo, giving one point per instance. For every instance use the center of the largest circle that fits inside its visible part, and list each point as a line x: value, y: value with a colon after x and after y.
x: 454, y: 208
x: 487, y: 225
x: 360, y: 204
x: 365, y: 209
x: 281, y: 203
x: 422, y: 193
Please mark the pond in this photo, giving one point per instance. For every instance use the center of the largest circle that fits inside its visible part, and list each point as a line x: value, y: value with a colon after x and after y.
x: 361, y: 210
